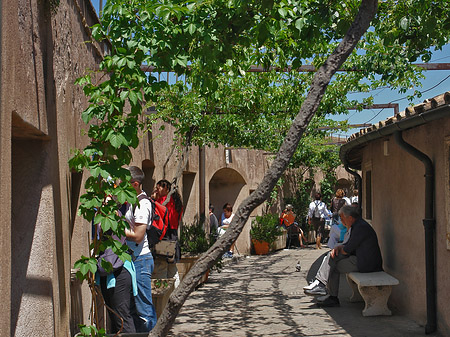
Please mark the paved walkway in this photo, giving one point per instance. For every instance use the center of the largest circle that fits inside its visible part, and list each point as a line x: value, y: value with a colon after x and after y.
x: 263, y: 296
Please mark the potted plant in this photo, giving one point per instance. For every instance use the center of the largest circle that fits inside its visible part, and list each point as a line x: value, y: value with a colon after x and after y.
x: 193, y: 242
x: 265, y: 230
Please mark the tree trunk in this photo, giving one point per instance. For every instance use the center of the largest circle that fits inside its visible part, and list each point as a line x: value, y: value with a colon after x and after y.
x: 320, y: 82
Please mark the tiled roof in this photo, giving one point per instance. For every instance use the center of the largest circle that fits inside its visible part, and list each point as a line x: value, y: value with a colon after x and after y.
x: 416, y: 110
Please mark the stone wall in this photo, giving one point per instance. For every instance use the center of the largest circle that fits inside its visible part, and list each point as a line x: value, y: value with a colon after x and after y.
x: 43, y: 51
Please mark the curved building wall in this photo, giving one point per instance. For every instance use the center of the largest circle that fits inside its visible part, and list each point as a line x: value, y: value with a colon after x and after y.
x: 397, y: 209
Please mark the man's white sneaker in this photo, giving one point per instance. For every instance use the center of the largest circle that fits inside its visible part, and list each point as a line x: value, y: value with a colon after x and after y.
x: 312, y: 285
x: 317, y: 290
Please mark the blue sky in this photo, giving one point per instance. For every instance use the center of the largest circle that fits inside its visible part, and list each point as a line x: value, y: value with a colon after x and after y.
x: 435, y: 83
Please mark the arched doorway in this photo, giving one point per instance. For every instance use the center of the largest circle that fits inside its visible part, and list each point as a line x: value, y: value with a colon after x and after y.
x: 346, y: 185
x: 225, y: 186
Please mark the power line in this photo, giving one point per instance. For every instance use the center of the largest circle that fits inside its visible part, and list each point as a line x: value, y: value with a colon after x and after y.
x: 374, y: 116
x: 402, y: 98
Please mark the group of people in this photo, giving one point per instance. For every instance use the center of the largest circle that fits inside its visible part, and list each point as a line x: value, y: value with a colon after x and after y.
x: 127, y: 290
x: 318, y: 213
x: 353, y: 243
x: 359, y: 251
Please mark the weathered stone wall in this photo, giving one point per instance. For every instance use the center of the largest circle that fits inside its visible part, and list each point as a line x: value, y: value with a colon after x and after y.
x: 43, y: 51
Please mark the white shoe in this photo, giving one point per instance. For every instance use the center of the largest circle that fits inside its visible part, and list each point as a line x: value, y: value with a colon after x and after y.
x: 312, y: 285
x: 317, y: 290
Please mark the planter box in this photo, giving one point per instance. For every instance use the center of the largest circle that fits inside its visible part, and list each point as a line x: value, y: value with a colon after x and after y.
x: 161, y: 294
x: 185, y: 264
x: 280, y: 242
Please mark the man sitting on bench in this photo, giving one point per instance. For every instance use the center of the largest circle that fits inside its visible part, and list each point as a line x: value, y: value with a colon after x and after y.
x: 360, y: 253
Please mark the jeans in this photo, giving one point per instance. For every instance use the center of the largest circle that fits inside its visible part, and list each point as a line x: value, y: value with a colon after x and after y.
x: 144, y: 305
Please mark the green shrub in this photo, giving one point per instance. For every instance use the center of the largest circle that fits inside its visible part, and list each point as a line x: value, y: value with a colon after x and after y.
x: 266, y: 228
x: 193, y: 238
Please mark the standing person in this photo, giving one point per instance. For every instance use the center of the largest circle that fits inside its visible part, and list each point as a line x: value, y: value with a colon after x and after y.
x: 213, y: 222
x: 347, y: 199
x: 336, y: 203
x: 317, y: 212
x: 226, y: 219
x: 139, y: 217
x: 360, y: 253
x: 118, y: 287
x: 163, y: 268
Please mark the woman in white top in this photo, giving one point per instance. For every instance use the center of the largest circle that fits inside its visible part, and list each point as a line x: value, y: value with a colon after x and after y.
x: 226, y: 219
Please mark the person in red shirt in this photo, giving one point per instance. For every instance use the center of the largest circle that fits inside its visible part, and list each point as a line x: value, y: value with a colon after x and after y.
x: 287, y: 220
x: 164, y: 269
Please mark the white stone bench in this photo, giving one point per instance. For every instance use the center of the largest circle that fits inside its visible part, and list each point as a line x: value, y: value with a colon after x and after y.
x: 375, y: 289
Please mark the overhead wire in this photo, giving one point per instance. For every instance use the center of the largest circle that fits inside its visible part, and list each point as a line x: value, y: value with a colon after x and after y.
x: 402, y: 98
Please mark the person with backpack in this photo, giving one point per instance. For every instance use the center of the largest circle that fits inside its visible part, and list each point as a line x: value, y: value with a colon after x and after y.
x: 317, y: 212
x: 140, y: 218
x: 118, y: 286
x: 165, y: 268
x: 336, y: 204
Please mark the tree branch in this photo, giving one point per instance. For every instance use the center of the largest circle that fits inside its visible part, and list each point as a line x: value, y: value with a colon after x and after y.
x: 320, y: 82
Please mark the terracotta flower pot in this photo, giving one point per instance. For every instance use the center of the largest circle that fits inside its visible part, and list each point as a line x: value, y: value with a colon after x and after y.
x: 261, y: 247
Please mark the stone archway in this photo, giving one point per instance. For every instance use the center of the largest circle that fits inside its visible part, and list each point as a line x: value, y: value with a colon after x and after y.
x: 228, y: 186
x: 225, y: 186
x: 346, y: 185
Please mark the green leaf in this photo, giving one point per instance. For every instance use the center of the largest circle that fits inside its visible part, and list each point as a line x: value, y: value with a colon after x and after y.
x: 88, y: 114
x: 300, y: 23
x: 97, y: 32
x: 116, y: 139
x: 282, y: 12
x: 124, y: 195
x: 182, y: 60
x: 124, y: 95
x: 133, y: 97
x: 191, y: 28
x: 404, y: 23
